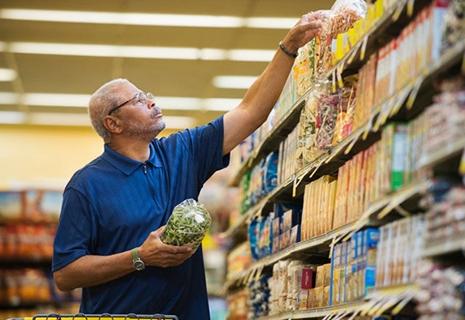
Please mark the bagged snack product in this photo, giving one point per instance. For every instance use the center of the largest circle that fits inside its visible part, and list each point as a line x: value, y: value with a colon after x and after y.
x: 341, y: 17
x: 187, y: 225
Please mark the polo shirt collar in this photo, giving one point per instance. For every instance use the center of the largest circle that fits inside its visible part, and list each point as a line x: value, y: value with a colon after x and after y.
x: 128, y: 165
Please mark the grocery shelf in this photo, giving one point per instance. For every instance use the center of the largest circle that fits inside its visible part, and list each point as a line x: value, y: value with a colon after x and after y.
x: 448, y: 246
x: 395, y: 295
x: 317, y: 312
x: 272, y: 140
x: 374, y: 212
x: 443, y: 153
x: 256, y: 209
x: 25, y: 262
x: 352, y: 60
x: 27, y: 305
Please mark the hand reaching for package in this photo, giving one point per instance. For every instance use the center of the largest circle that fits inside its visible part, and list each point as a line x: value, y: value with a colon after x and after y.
x: 303, y: 31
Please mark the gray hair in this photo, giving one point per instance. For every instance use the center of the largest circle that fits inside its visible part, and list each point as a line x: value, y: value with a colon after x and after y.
x: 101, y: 102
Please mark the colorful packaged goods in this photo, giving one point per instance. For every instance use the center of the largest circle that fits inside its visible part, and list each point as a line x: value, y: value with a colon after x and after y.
x: 442, y: 291
x: 454, y: 30
x: 399, y: 251
x: 287, y: 163
x: 353, y: 267
x: 318, y: 207
x: 238, y: 305
x: 239, y: 259
x: 258, y: 299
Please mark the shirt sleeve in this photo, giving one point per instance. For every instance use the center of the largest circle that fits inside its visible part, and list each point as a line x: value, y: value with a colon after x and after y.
x: 74, y: 232
x: 207, y: 149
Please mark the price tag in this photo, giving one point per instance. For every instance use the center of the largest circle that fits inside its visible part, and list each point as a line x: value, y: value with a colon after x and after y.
x: 333, y: 87
x: 389, y: 304
x: 339, y: 70
x: 410, y: 7
x: 462, y: 164
x: 364, y: 48
x: 368, y: 128
x: 402, y: 304
x: 356, y: 312
x: 354, y: 53
x: 413, y: 95
x: 398, y: 11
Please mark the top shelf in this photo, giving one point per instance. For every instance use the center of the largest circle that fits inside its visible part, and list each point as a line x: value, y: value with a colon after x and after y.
x: 389, y: 26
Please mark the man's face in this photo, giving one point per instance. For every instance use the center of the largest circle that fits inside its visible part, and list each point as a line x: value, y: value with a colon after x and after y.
x: 140, y: 117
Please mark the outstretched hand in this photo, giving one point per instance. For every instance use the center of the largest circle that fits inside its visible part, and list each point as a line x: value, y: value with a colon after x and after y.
x: 303, y: 31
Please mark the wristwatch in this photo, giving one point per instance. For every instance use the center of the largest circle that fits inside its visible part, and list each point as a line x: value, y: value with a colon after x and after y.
x: 138, y: 264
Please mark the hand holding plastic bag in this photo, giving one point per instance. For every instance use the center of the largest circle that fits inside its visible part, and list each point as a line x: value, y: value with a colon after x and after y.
x: 188, y: 224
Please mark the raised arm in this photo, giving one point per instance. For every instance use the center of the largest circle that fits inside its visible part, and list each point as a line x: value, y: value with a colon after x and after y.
x: 264, y: 92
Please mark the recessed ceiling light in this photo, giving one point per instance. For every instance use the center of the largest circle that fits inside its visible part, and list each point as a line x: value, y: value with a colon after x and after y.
x: 12, y: 117
x: 233, y: 82
x: 146, y: 19
x: 7, y: 74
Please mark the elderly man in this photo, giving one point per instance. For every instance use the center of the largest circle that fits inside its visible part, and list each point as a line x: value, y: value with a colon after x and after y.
x: 114, y: 208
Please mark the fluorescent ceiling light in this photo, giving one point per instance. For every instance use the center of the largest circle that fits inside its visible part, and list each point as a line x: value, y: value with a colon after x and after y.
x: 174, y: 122
x: 82, y: 100
x: 59, y: 119
x: 73, y: 119
x: 221, y: 104
x: 8, y: 98
x: 147, y: 19
x: 233, y: 82
x: 101, y: 50
x: 270, y: 22
x: 7, y: 74
x: 11, y: 117
x: 56, y: 99
x: 251, y: 55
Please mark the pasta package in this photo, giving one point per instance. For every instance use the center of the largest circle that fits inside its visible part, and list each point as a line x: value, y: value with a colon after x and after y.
x: 187, y: 225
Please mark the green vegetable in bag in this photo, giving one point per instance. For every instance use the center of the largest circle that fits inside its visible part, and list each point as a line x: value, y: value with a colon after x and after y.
x: 188, y: 224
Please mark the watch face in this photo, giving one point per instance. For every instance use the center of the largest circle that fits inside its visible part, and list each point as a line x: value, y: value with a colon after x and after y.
x: 139, y: 265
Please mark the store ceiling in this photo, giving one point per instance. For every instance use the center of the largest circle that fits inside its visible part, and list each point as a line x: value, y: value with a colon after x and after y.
x: 52, y: 53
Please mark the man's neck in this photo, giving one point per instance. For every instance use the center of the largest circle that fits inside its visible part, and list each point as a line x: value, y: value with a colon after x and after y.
x: 134, y: 149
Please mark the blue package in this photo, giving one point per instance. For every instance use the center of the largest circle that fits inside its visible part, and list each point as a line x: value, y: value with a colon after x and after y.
x: 253, y: 238
x: 281, y: 207
x: 270, y: 172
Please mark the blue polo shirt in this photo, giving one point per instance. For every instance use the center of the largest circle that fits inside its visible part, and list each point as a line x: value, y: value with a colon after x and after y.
x: 113, y: 203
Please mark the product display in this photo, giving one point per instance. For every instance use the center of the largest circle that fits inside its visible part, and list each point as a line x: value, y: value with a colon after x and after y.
x: 295, y: 285
x: 187, y: 225
x: 26, y: 241
x: 399, y: 251
x: 318, y: 209
x: 445, y: 220
x: 381, y: 122
x: 442, y: 292
x: 288, y: 164
x: 261, y: 180
x: 259, y: 295
x: 239, y: 259
x: 238, y: 305
x: 353, y: 267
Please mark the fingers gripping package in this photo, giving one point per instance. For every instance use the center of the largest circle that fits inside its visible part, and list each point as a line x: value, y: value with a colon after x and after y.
x: 187, y: 225
x: 341, y: 17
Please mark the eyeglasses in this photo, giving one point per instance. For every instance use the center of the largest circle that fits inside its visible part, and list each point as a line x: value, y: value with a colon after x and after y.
x: 140, y: 97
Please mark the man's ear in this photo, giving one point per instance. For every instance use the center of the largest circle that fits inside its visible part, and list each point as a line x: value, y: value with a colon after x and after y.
x: 112, y: 124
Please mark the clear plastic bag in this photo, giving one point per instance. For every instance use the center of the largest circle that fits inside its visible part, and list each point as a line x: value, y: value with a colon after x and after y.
x: 187, y: 225
x: 341, y: 17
